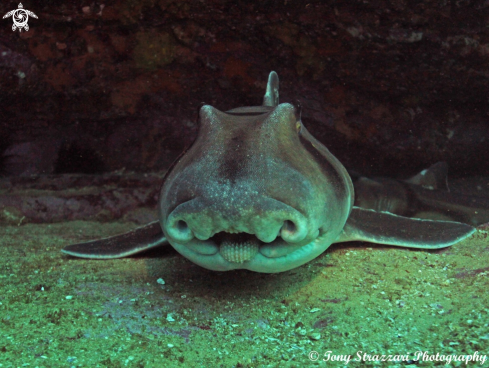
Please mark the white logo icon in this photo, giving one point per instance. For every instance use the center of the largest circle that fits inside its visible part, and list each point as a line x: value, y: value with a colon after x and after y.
x: 20, y: 17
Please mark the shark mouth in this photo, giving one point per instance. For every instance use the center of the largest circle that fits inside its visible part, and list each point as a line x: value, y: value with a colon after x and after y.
x: 228, y: 251
x: 239, y: 248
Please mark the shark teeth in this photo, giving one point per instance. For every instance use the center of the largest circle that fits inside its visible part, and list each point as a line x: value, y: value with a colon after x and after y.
x: 239, y: 252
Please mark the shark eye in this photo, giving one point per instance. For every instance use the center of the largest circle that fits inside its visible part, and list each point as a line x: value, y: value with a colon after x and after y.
x: 298, y: 126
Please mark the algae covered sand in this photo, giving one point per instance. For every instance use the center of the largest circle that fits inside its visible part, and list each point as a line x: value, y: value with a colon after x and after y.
x: 161, y: 310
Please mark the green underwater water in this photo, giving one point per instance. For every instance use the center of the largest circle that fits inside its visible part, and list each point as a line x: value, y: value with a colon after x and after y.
x: 160, y: 310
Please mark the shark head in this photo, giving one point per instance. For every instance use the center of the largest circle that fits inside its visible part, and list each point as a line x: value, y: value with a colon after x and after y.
x: 255, y: 191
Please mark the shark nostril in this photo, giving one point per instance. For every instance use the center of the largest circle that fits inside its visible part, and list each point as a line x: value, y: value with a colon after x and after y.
x: 293, y: 231
x: 182, y: 226
x: 289, y: 226
x: 179, y: 230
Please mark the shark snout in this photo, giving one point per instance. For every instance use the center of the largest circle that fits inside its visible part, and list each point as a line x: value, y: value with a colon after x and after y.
x: 225, y: 232
x: 267, y: 223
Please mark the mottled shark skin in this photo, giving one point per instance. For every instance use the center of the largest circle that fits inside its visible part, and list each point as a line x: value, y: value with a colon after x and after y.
x: 257, y: 191
x: 425, y: 195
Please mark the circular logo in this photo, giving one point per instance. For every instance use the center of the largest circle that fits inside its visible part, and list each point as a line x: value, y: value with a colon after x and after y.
x: 20, y: 18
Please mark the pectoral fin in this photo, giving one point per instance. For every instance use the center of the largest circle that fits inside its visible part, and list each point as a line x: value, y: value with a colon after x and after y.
x: 136, y: 241
x: 390, y: 229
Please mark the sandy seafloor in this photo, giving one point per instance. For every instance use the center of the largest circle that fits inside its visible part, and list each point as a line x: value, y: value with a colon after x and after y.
x: 58, y: 311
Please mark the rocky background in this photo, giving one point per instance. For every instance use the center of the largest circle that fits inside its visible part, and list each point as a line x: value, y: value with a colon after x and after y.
x: 390, y: 87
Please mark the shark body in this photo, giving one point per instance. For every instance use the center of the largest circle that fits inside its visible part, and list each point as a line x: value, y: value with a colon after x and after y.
x: 425, y: 195
x: 257, y: 191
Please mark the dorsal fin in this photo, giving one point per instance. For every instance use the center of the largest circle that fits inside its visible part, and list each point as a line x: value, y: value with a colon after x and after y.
x: 270, y: 100
x: 271, y: 95
x: 434, y: 177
